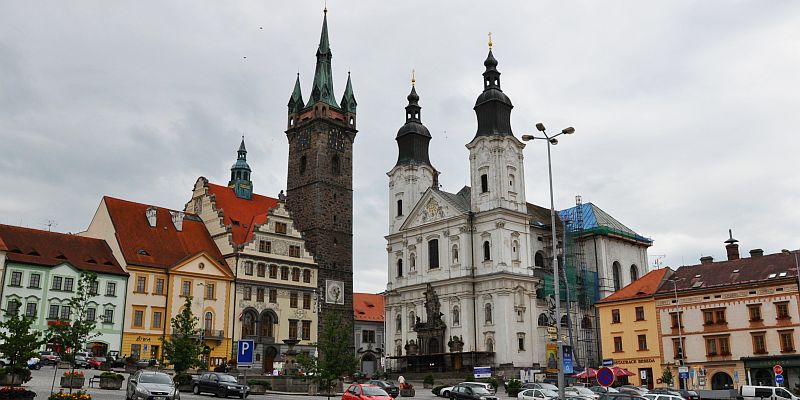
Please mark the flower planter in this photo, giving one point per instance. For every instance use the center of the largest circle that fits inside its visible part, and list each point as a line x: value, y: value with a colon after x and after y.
x: 11, y: 380
x: 16, y: 393
x: 407, y: 392
x: 72, y: 382
x: 258, y: 389
x: 110, y: 383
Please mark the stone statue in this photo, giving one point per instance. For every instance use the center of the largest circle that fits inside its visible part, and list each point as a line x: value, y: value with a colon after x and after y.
x: 432, y: 305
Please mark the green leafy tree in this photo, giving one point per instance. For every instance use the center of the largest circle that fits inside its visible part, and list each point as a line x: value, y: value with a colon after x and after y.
x: 183, y: 348
x: 17, y: 341
x: 666, y: 377
x: 336, y: 358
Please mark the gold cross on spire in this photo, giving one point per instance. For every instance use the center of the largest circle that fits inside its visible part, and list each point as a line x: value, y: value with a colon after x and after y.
x: 490, y: 40
x: 413, y: 77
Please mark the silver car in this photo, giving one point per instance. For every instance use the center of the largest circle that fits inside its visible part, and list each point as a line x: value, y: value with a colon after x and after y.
x: 151, y: 385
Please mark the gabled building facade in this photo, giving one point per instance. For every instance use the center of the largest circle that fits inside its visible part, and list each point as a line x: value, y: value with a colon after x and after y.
x: 369, y: 321
x: 41, y: 271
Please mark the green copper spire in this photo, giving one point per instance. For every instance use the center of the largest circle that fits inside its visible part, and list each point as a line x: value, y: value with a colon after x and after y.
x: 240, y: 174
x: 348, y: 99
x: 296, y: 101
x: 323, y: 78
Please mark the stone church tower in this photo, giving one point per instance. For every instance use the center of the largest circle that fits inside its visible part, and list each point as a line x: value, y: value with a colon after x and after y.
x: 320, y: 179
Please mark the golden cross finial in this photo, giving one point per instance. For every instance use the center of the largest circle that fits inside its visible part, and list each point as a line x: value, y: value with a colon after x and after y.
x: 413, y: 77
x: 326, y: 7
x: 490, y: 40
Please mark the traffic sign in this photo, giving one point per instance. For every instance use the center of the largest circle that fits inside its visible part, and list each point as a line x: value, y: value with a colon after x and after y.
x: 779, y: 379
x: 244, y: 353
x: 607, y: 362
x: 605, y: 377
x: 777, y: 369
x: 482, y: 372
x: 567, y: 359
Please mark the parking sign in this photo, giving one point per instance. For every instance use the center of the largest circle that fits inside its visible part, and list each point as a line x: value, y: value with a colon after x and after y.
x: 244, y: 354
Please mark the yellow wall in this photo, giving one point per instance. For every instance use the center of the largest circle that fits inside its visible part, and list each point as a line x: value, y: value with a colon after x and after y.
x: 631, y: 358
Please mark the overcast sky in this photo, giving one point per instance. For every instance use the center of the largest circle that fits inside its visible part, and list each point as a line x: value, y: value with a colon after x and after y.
x: 686, y: 112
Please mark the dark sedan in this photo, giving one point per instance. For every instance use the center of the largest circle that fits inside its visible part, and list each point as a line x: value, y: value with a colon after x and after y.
x: 222, y: 385
x: 389, y: 387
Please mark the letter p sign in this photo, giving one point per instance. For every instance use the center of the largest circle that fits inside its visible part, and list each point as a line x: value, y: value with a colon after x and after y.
x: 245, y: 354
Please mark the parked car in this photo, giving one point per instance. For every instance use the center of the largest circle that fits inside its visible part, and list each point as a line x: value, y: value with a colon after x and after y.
x: 663, y: 390
x: 33, y: 363
x: 620, y: 396
x: 656, y: 396
x: 96, y: 362
x: 147, y: 362
x: 81, y: 361
x: 467, y: 392
x: 389, y: 387
x: 49, y: 357
x: 540, y: 385
x: 363, y: 391
x: 748, y: 392
x: 445, y: 391
x: 601, y: 390
x: 536, y: 394
x: 151, y: 385
x: 631, y: 390
x: 116, y: 362
x: 581, y: 391
x: 689, y: 394
x: 222, y: 385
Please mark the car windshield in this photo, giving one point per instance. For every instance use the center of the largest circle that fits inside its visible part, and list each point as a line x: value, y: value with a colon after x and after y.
x: 650, y: 397
x: 549, y: 393
x: 227, y: 378
x: 163, y: 379
x: 583, y: 390
x: 373, y: 391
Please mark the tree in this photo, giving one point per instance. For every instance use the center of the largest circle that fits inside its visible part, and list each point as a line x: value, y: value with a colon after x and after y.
x: 17, y: 341
x: 666, y: 377
x: 336, y: 358
x: 183, y: 348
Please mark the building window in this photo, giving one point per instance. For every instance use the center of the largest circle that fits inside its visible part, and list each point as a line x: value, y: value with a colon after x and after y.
x: 30, y: 310
x: 136, y: 350
x: 296, y: 274
x: 399, y: 208
x: 292, y: 329
x: 91, y: 314
x: 336, y: 166
x: 676, y: 321
x: 111, y: 289
x: 678, y: 348
x: 248, y: 268
x: 108, y: 316
x: 261, y: 270
x: 66, y: 312
x: 16, y: 279
x: 208, y: 323
x: 94, y: 288
x: 787, y: 341
x: 273, y: 271
x: 484, y: 183
x: 634, y: 272
x: 157, y: 319
x: 487, y: 313
x: 487, y: 251
x: 260, y: 295
x: 138, y: 318
x: 455, y: 254
x: 293, y: 300
x: 306, y: 330
x: 520, y: 342
x: 617, y: 276
x: 35, y: 281
x: 456, y: 316
x: 294, y: 251
x: 13, y: 306
x: 367, y: 336
x: 718, y: 346
x: 759, y: 343
x: 490, y: 345
x: 782, y: 310
x: 159, y: 289
x: 57, y: 282
x: 564, y: 321
x: 433, y: 254
x: 303, y: 162
x: 398, y: 323
x: 714, y: 316
x: 515, y: 250
x: 413, y: 262
x: 640, y: 313
x: 755, y: 312
x: 615, y: 318
x: 53, y: 313
x: 306, y: 276
x: 306, y: 301
x: 265, y: 246
x: 273, y: 296
x: 285, y: 273
x: 617, y: 344
x: 280, y: 227
x: 642, y: 339
x: 247, y: 293
x: 586, y: 323
x: 412, y: 320
x: 538, y: 260
x: 141, y: 284
x: 69, y: 284
x: 186, y: 288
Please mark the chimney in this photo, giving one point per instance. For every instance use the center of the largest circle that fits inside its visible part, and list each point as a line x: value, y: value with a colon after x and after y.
x: 177, y: 219
x: 756, y: 253
x: 151, y: 216
x: 731, y: 247
x: 706, y: 260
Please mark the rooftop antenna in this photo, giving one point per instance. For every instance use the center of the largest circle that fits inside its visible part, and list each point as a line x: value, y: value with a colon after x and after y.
x: 50, y: 224
x: 659, y: 260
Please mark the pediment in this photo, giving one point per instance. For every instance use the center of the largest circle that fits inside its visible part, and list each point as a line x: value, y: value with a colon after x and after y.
x: 202, y: 264
x: 431, y: 208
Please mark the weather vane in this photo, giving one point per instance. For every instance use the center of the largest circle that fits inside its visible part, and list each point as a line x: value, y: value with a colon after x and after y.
x: 413, y: 77
x: 490, y: 40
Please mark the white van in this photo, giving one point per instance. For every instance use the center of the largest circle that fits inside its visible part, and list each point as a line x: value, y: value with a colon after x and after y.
x: 765, y: 392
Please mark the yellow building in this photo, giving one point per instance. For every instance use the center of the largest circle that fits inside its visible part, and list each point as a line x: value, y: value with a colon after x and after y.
x: 629, y: 328
x: 169, y: 255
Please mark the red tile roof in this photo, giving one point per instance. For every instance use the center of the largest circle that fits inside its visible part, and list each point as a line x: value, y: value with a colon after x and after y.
x: 161, y: 246
x: 736, y: 272
x: 33, y: 246
x: 368, y: 307
x: 241, y: 214
x: 643, y: 287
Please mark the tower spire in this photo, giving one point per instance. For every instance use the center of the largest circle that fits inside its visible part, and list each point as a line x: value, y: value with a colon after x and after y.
x: 240, y: 174
x: 322, y: 89
x: 349, y: 99
x: 296, y: 101
x: 493, y: 107
x: 413, y: 137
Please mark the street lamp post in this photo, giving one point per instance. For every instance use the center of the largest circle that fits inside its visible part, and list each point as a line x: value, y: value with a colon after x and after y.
x: 681, y: 354
x: 551, y: 140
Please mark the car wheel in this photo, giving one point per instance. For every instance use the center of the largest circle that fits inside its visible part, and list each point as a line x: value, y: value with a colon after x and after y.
x: 222, y: 393
x: 446, y: 394
x: 196, y: 389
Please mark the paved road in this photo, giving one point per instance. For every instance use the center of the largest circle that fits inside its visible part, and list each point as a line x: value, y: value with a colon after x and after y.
x: 42, y: 381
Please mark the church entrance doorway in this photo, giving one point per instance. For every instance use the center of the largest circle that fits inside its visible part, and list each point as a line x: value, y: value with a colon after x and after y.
x: 269, y: 358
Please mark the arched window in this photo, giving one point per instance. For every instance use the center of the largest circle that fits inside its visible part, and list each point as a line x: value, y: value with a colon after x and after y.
x: 412, y: 320
x: 398, y: 321
x: 617, y: 274
x: 284, y: 273
x: 484, y: 183
x: 208, y: 322
x: 267, y: 324
x: 413, y: 262
x: 487, y: 313
x: 336, y: 165
x: 538, y: 260
x: 456, y: 316
x: 249, y: 323
x: 564, y: 320
x: 634, y: 272
x: 433, y: 254
x: 455, y: 254
x: 490, y: 345
x: 586, y: 323
x: 399, y: 208
x: 515, y: 250
x: 487, y: 251
x: 400, y: 267
x: 543, y: 320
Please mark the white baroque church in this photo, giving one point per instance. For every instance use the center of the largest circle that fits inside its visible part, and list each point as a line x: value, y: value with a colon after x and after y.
x: 464, y: 268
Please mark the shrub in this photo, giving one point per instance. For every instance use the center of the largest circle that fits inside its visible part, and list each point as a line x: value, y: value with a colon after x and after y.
x: 112, y: 375
x: 260, y: 382
x: 428, y: 379
x: 492, y: 381
x: 513, y: 387
x: 25, y: 373
x: 182, y: 379
x: 436, y: 389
